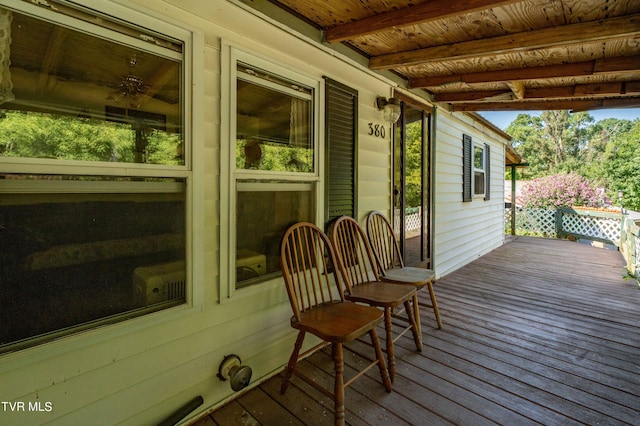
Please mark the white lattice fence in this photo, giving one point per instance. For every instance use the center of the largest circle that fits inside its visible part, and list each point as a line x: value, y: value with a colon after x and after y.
x: 536, y: 222
x: 605, y: 228
x: 412, y: 221
x: 582, y: 224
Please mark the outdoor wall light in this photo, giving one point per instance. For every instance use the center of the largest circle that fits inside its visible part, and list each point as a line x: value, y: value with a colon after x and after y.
x: 390, y: 108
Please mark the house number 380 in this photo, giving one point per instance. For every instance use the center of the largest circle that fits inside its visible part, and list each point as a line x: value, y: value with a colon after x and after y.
x: 376, y: 130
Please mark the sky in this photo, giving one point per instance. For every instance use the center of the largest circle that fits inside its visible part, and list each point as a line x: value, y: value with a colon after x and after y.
x: 502, y: 119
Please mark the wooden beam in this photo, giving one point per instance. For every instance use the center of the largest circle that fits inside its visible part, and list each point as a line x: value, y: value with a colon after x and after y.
x: 563, y: 104
x: 630, y: 88
x: 597, y: 89
x: 599, y: 66
x: 611, y: 103
x: 518, y: 88
x: 417, y: 14
x: 468, y: 96
x: 48, y: 69
x: 620, y: 27
x: 618, y: 64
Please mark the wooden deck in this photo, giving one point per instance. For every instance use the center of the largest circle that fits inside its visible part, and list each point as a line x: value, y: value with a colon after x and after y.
x: 538, y: 331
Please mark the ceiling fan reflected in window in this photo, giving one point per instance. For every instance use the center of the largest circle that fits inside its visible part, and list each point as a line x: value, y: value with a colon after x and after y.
x: 131, y: 89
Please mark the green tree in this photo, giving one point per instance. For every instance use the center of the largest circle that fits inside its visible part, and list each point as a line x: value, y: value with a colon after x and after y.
x: 620, y: 165
x: 527, y: 138
x: 606, y: 152
x: 603, y: 133
x: 38, y: 135
x: 413, y: 182
x: 554, y: 142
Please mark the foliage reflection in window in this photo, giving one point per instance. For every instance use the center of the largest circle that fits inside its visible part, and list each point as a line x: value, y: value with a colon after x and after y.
x: 78, y: 103
x: 273, y: 123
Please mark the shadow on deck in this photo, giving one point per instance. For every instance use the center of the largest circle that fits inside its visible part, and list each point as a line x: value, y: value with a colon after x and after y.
x: 537, y: 331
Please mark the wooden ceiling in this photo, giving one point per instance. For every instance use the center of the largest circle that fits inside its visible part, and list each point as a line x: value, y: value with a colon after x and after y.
x: 491, y: 55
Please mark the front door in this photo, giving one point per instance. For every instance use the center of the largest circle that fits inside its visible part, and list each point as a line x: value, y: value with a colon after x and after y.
x: 411, y: 198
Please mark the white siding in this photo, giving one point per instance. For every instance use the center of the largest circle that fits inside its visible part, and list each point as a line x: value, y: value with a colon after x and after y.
x: 140, y: 371
x: 465, y: 231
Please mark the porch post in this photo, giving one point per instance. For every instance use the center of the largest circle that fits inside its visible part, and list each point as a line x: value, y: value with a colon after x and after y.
x: 513, y: 200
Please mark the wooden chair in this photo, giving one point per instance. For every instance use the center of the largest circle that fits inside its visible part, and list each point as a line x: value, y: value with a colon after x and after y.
x: 392, y: 269
x: 364, y: 285
x: 319, y: 308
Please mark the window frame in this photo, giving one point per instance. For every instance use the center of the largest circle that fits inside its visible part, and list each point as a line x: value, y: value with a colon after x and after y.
x: 110, y: 168
x: 468, y: 170
x: 142, y: 24
x: 231, y: 177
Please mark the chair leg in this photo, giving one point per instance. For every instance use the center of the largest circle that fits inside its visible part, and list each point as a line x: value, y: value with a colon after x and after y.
x: 338, y: 390
x: 413, y: 321
x: 391, y: 357
x: 384, y: 374
x: 293, y: 360
x: 416, y: 309
x: 434, y: 304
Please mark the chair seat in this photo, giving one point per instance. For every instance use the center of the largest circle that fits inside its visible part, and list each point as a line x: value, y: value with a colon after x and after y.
x: 408, y: 274
x: 338, y: 322
x: 378, y: 293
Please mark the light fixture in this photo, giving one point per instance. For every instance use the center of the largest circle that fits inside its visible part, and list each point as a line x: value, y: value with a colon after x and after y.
x: 390, y: 108
x: 131, y: 88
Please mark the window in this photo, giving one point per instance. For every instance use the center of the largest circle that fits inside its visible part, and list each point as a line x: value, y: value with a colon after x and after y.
x: 94, y: 169
x: 273, y: 123
x: 476, y: 170
x: 274, y: 171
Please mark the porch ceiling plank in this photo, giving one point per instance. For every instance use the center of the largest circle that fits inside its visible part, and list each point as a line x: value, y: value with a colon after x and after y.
x: 417, y: 14
x: 508, y: 51
x: 613, y: 28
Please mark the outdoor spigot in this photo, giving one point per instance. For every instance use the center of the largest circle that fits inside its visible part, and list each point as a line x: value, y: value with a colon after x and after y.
x: 232, y: 369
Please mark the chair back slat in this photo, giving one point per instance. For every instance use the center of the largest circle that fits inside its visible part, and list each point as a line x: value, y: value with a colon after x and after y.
x: 384, y: 242
x: 355, y: 257
x: 306, y: 259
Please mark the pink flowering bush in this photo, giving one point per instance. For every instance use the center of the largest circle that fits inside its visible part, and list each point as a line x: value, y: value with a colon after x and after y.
x: 563, y: 190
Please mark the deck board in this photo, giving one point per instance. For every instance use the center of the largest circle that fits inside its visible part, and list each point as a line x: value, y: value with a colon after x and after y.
x: 538, y: 331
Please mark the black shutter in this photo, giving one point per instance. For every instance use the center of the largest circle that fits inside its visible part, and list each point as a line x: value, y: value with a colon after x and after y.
x: 467, y: 167
x: 487, y: 172
x: 341, y: 120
